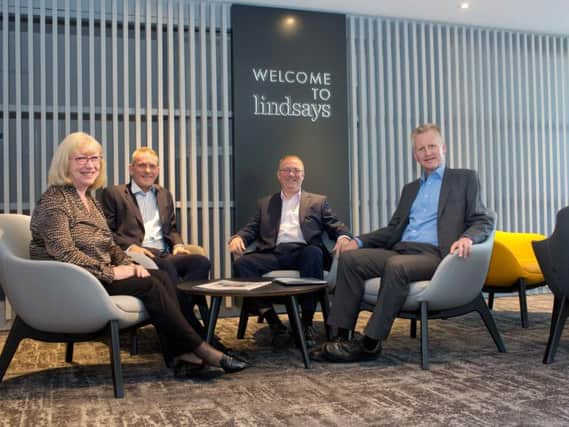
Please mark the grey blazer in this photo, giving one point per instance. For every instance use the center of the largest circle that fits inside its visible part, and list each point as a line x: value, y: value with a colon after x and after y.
x: 461, y: 213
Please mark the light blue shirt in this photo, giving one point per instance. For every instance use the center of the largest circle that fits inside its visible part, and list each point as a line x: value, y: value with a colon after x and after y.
x: 422, y: 225
x: 148, y: 206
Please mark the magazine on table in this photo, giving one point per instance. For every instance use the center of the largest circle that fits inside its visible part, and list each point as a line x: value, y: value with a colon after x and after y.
x: 232, y: 285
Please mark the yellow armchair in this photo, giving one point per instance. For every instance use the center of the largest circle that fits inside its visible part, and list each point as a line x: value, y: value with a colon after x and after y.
x: 195, y: 249
x: 514, y: 268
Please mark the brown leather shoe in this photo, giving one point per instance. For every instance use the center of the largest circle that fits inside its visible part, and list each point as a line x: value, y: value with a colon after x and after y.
x: 349, y: 352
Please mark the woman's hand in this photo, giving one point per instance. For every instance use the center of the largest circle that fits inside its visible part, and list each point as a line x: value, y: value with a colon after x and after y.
x: 122, y: 272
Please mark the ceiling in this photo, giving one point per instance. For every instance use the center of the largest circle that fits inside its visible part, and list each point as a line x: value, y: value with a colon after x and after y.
x: 542, y: 16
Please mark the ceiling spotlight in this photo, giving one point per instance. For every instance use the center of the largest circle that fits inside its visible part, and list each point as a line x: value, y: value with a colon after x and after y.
x: 464, y: 5
x: 290, y: 21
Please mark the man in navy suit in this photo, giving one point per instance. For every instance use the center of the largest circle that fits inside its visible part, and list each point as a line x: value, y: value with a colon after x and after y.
x: 440, y: 212
x: 288, y: 228
x: 142, y: 217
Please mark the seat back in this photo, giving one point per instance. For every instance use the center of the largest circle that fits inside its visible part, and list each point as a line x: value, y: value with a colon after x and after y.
x: 457, y: 281
x: 552, y: 253
x: 17, y: 234
x: 50, y: 296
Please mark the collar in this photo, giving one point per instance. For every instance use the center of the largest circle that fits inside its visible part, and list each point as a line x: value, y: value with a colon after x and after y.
x: 283, y: 197
x: 439, y: 172
x: 135, y: 189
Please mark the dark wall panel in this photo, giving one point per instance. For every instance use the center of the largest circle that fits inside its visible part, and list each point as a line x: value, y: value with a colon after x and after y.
x: 289, y: 97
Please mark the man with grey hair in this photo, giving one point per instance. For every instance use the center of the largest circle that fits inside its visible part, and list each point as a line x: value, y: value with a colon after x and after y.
x: 439, y: 213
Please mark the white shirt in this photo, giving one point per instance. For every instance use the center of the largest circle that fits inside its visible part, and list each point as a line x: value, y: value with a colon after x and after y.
x: 148, y: 206
x: 289, y: 230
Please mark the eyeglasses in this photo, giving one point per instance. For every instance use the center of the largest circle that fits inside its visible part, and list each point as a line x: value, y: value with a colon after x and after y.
x: 288, y: 171
x: 82, y: 160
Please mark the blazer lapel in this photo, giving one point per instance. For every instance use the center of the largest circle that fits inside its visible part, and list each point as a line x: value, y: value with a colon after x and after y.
x: 445, y: 191
x: 130, y: 200
x: 302, y: 207
x: 275, y: 211
x: 162, y: 204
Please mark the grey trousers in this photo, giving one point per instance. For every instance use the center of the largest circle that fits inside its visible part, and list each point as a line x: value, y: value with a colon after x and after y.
x: 406, y: 262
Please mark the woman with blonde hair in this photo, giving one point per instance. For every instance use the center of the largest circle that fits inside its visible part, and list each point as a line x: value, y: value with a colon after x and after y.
x: 68, y: 225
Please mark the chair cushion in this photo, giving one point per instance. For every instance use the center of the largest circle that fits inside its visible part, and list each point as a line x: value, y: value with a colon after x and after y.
x: 132, y: 310
x: 415, y: 290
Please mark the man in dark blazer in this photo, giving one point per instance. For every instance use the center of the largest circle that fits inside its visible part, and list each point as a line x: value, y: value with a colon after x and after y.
x: 439, y: 213
x: 288, y: 228
x: 142, y: 217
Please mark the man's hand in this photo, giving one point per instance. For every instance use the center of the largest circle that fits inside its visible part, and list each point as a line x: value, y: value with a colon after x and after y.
x: 140, y: 250
x: 344, y: 245
x: 180, y: 250
x: 236, y: 246
x: 122, y: 272
x: 462, y: 247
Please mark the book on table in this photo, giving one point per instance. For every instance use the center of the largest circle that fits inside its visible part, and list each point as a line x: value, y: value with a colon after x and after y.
x: 299, y: 281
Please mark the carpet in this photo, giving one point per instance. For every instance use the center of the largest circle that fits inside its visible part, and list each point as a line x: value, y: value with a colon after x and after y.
x: 469, y: 382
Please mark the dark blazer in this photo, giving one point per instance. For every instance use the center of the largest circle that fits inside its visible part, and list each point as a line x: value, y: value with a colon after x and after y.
x: 125, y: 220
x: 461, y: 213
x: 315, y: 217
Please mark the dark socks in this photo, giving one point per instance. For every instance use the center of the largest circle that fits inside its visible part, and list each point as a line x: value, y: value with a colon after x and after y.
x: 307, y: 318
x: 369, y: 344
x: 272, y: 317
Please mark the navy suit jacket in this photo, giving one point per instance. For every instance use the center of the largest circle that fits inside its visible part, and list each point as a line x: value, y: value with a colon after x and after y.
x: 125, y: 220
x: 461, y: 213
x: 315, y: 218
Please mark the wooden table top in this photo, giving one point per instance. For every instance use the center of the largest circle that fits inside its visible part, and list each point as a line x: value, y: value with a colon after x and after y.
x: 271, y: 290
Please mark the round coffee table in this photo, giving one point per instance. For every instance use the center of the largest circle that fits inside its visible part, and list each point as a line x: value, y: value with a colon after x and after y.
x: 270, y: 291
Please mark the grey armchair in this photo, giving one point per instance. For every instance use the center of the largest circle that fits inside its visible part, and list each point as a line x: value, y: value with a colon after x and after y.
x: 59, y: 302
x: 454, y: 290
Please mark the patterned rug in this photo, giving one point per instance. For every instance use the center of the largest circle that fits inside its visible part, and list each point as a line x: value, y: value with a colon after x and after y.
x: 469, y: 382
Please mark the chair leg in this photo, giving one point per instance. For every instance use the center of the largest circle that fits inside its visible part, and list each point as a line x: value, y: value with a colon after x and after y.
x: 17, y: 334
x: 523, y: 303
x: 488, y: 319
x: 424, y: 335
x: 243, y: 319
x: 133, y: 337
x: 69, y: 352
x: 558, y: 320
x: 116, y: 359
x: 413, y: 328
x: 490, y: 300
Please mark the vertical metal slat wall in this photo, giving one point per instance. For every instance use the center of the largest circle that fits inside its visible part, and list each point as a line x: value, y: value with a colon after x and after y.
x: 501, y: 100
x: 132, y: 73
x: 156, y: 73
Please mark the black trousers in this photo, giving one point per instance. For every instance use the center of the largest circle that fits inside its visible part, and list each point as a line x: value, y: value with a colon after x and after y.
x: 160, y: 300
x: 182, y: 268
x: 308, y: 259
x: 406, y: 262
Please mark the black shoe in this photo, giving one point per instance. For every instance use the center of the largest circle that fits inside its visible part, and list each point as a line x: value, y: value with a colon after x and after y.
x: 318, y: 354
x: 184, y: 369
x: 230, y: 364
x: 309, y: 336
x: 235, y: 355
x: 349, y: 351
